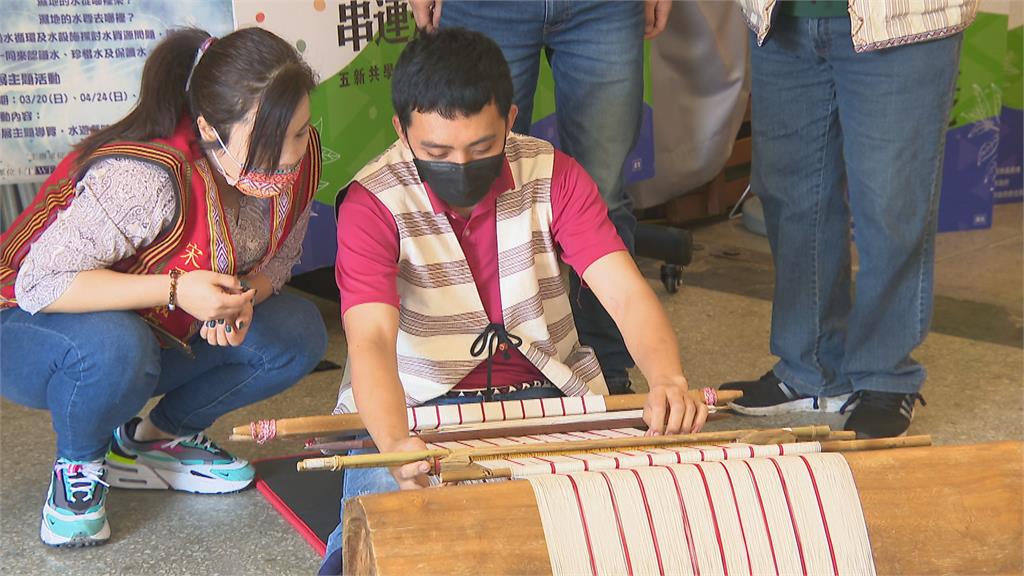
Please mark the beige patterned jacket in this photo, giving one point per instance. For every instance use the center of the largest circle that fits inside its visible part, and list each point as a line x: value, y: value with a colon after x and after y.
x: 877, y: 24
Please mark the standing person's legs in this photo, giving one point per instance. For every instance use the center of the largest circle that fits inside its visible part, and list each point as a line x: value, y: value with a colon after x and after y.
x: 894, y: 105
x: 798, y: 174
x: 517, y: 27
x: 596, y: 55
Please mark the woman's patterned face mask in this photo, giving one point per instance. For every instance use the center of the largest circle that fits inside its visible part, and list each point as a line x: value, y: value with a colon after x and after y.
x: 256, y: 182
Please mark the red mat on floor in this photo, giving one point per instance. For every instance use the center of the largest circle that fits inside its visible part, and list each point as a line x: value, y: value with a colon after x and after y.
x: 309, y: 501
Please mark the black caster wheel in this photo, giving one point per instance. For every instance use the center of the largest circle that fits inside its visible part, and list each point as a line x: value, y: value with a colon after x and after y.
x: 671, y: 277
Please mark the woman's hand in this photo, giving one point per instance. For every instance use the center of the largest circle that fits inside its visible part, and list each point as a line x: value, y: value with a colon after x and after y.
x: 211, y: 296
x: 228, y: 331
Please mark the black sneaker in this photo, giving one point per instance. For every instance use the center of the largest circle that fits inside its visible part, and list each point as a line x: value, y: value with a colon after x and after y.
x: 743, y: 384
x: 880, y: 414
x: 769, y: 396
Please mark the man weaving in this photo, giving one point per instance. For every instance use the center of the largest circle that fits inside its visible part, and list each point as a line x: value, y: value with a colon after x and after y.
x: 450, y: 246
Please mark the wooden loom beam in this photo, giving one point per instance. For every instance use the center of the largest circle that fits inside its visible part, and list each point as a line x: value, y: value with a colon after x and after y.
x: 935, y: 510
x: 352, y: 424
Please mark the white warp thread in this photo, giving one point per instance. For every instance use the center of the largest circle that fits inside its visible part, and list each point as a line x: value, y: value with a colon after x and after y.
x: 434, y: 417
x: 778, y: 515
x: 526, y: 466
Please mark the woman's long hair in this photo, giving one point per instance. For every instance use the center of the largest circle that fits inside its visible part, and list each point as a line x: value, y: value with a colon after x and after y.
x: 248, y: 67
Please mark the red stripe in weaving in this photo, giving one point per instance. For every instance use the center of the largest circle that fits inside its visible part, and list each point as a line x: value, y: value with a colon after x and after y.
x: 650, y: 456
x: 618, y: 523
x: 550, y: 463
x: 739, y: 516
x: 824, y: 521
x: 714, y: 519
x: 503, y: 415
x: 583, y: 519
x: 586, y: 463
x: 686, y: 522
x: 792, y: 516
x: 650, y: 520
x: 562, y: 400
x: 764, y: 516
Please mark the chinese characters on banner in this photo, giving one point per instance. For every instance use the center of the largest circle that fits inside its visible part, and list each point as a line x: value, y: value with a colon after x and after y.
x: 69, y: 67
x: 353, y: 46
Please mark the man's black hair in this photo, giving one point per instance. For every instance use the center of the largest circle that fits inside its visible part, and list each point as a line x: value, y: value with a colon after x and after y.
x: 453, y: 72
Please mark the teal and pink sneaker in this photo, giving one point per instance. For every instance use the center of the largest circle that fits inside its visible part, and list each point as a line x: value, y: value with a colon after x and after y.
x: 75, y: 512
x: 189, y: 463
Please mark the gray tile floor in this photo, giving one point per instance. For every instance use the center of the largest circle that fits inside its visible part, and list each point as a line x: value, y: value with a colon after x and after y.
x: 974, y: 357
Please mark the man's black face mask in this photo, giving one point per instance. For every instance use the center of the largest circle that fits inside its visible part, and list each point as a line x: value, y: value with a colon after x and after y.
x: 460, y: 185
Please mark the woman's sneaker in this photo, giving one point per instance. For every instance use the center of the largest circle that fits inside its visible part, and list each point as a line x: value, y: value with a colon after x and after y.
x: 189, y: 463
x: 75, y: 512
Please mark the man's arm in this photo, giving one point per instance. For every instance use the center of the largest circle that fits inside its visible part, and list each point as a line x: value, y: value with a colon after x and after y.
x: 590, y: 244
x: 372, y: 331
x: 627, y: 297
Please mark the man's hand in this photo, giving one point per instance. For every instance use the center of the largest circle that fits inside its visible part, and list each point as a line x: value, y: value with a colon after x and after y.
x: 669, y: 398
x: 655, y: 17
x: 427, y: 14
x: 413, y: 475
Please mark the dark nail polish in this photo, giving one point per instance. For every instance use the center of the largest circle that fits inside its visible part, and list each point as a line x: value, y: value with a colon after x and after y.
x: 221, y: 321
x: 241, y: 325
x: 211, y: 324
x: 228, y: 329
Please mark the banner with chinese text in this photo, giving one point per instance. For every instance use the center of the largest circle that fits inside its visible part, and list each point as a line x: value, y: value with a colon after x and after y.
x: 72, y: 66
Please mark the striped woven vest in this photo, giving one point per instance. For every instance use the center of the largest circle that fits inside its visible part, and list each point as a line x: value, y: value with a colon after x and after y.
x: 197, y: 239
x: 440, y: 311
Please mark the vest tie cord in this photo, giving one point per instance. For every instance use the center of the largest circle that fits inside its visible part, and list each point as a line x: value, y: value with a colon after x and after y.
x: 493, y: 337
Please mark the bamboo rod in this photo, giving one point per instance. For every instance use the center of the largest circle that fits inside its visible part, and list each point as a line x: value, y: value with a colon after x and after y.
x: 353, y: 424
x: 876, y: 443
x: 464, y: 473
x: 335, y: 463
